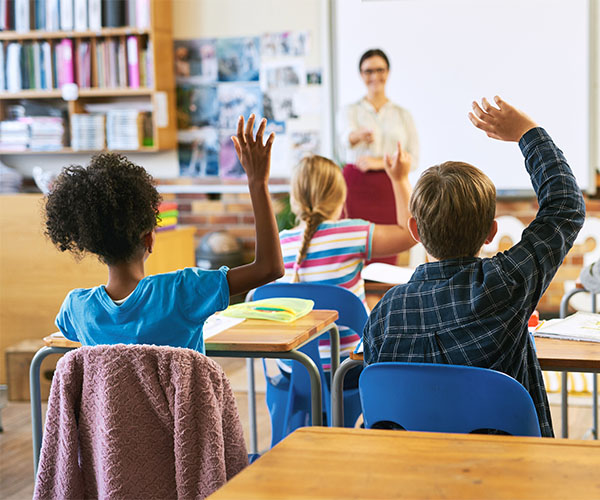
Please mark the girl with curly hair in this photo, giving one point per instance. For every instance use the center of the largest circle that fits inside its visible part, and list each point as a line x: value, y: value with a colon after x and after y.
x: 110, y: 209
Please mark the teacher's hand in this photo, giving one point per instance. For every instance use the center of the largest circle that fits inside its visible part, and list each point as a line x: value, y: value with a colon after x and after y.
x: 361, y: 135
x: 398, y: 166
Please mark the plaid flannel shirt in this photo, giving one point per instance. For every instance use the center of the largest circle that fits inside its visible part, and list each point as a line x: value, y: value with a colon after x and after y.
x: 473, y: 311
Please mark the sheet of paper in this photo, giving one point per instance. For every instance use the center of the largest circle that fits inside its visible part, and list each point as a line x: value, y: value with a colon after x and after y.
x: 386, y: 273
x: 578, y: 326
x: 217, y: 324
x: 57, y: 335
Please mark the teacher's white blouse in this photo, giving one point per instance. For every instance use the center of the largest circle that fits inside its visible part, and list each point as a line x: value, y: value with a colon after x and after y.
x: 390, y: 124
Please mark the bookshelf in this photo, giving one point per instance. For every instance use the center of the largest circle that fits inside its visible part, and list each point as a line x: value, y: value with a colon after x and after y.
x: 134, y: 103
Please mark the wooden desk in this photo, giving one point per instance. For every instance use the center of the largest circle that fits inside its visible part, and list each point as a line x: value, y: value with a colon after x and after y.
x: 250, y: 339
x: 553, y: 354
x: 35, y: 277
x: 323, y: 462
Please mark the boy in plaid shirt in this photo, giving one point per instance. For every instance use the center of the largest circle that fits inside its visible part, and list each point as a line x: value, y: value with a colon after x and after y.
x: 464, y: 310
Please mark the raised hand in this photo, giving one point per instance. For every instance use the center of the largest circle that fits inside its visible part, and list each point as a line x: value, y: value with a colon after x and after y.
x: 398, y: 166
x: 254, y: 156
x: 505, y: 122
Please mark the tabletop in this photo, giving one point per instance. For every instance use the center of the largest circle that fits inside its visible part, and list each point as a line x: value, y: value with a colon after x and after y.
x: 326, y: 462
x: 253, y: 335
x: 559, y: 355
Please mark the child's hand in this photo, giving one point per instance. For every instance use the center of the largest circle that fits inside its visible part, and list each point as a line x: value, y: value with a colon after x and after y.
x: 254, y: 156
x: 505, y: 122
x: 398, y: 166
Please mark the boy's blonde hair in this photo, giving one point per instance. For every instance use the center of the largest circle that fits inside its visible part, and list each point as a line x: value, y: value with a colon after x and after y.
x: 454, y: 205
x: 318, y: 192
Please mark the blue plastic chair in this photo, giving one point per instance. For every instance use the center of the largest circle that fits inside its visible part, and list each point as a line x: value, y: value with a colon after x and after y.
x: 288, y: 399
x: 445, y: 398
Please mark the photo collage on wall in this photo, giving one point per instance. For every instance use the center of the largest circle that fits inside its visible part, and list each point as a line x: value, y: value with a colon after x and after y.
x: 220, y: 79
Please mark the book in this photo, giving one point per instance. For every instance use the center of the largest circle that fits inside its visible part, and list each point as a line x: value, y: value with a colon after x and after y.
x: 66, y: 15
x: 122, y: 63
x: 95, y: 14
x: 64, y: 62
x: 22, y: 16
x: 133, y: 70
x: 47, y: 80
x: 84, y: 68
x: 142, y: 14
x: 81, y: 15
x: 130, y: 6
x: 579, y: 326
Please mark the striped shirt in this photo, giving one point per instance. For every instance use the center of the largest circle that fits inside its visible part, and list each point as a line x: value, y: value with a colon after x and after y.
x: 335, y: 256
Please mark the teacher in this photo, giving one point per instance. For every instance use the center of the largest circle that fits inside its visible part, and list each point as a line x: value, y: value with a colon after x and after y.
x: 369, y: 129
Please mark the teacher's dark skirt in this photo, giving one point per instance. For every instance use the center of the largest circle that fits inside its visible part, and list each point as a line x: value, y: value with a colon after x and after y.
x: 370, y: 197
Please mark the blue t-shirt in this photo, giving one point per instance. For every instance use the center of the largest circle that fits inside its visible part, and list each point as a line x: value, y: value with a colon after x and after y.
x: 164, y: 309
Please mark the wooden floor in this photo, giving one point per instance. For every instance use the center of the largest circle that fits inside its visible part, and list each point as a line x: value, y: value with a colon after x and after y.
x: 16, y: 462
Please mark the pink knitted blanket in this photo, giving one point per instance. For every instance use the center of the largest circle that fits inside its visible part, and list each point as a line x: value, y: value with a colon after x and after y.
x: 139, y: 421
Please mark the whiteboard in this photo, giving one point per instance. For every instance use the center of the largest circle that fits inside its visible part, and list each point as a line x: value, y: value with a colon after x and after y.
x: 445, y: 54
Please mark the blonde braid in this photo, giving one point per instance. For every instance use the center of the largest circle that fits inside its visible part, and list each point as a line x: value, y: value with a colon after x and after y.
x: 312, y: 224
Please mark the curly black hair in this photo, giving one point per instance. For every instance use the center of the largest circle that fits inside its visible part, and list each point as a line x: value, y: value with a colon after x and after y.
x: 104, y: 209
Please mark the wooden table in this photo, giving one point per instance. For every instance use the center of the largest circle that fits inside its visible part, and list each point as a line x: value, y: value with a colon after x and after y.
x: 558, y: 355
x: 250, y: 339
x: 321, y: 462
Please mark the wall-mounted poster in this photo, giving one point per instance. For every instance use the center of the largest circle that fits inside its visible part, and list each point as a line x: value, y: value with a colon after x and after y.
x: 237, y: 99
x: 198, y: 152
x: 196, y: 61
x: 282, y: 74
x: 197, y: 106
x: 238, y: 59
x: 288, y: 43
x: 231, y: 168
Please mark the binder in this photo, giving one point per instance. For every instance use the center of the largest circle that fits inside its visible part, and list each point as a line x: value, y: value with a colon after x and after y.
x: 39, y: 12
x: 22, y: 16
x: 47, y: 80
x: 142, y: 13
x: 81, y: 15
x: 84, y: 68
x: 113, y: 75
x: 2, y: 69
x: 37, y: 69
x: 130, y: 7
x: 122, y: 63
x: 113, y: 13
x: 133, y: 62
x: 66, y: 15
x: 64, y: 61
x: 95, y: 14
x: 52, y: 15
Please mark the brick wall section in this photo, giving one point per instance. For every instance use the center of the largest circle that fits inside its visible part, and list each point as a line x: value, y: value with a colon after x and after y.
x: 233, y: 212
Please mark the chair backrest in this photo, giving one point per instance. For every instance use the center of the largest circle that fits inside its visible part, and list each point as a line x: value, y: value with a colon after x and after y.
x: 139, y: 421
x: 351, y: 310
x: 445, y: 398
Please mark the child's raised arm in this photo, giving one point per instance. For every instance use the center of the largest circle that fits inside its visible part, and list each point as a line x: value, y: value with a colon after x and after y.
x: 256, y: 160
x: 389, y: 239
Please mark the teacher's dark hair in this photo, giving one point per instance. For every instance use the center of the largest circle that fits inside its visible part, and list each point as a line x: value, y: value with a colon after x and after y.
x: 373, y: 53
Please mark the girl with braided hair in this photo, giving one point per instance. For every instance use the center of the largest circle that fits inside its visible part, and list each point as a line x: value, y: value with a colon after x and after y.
x: 323, y: 248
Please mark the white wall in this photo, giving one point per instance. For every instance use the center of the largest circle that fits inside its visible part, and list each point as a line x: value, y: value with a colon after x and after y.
x: 444, y: 54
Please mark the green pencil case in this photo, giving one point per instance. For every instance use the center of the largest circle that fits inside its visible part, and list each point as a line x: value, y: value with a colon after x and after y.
x: 283, y: 309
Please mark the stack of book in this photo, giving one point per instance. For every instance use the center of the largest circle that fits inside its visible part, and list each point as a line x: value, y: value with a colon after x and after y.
x: 168, y: 214
x: 46, y: 133
x: 87, y: 131
x: 122, y: 129
x: 14, y: 136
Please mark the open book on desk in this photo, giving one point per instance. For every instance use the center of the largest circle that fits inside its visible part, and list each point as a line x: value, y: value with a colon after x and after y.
x: 387, y: 273
x: 579, y: 326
